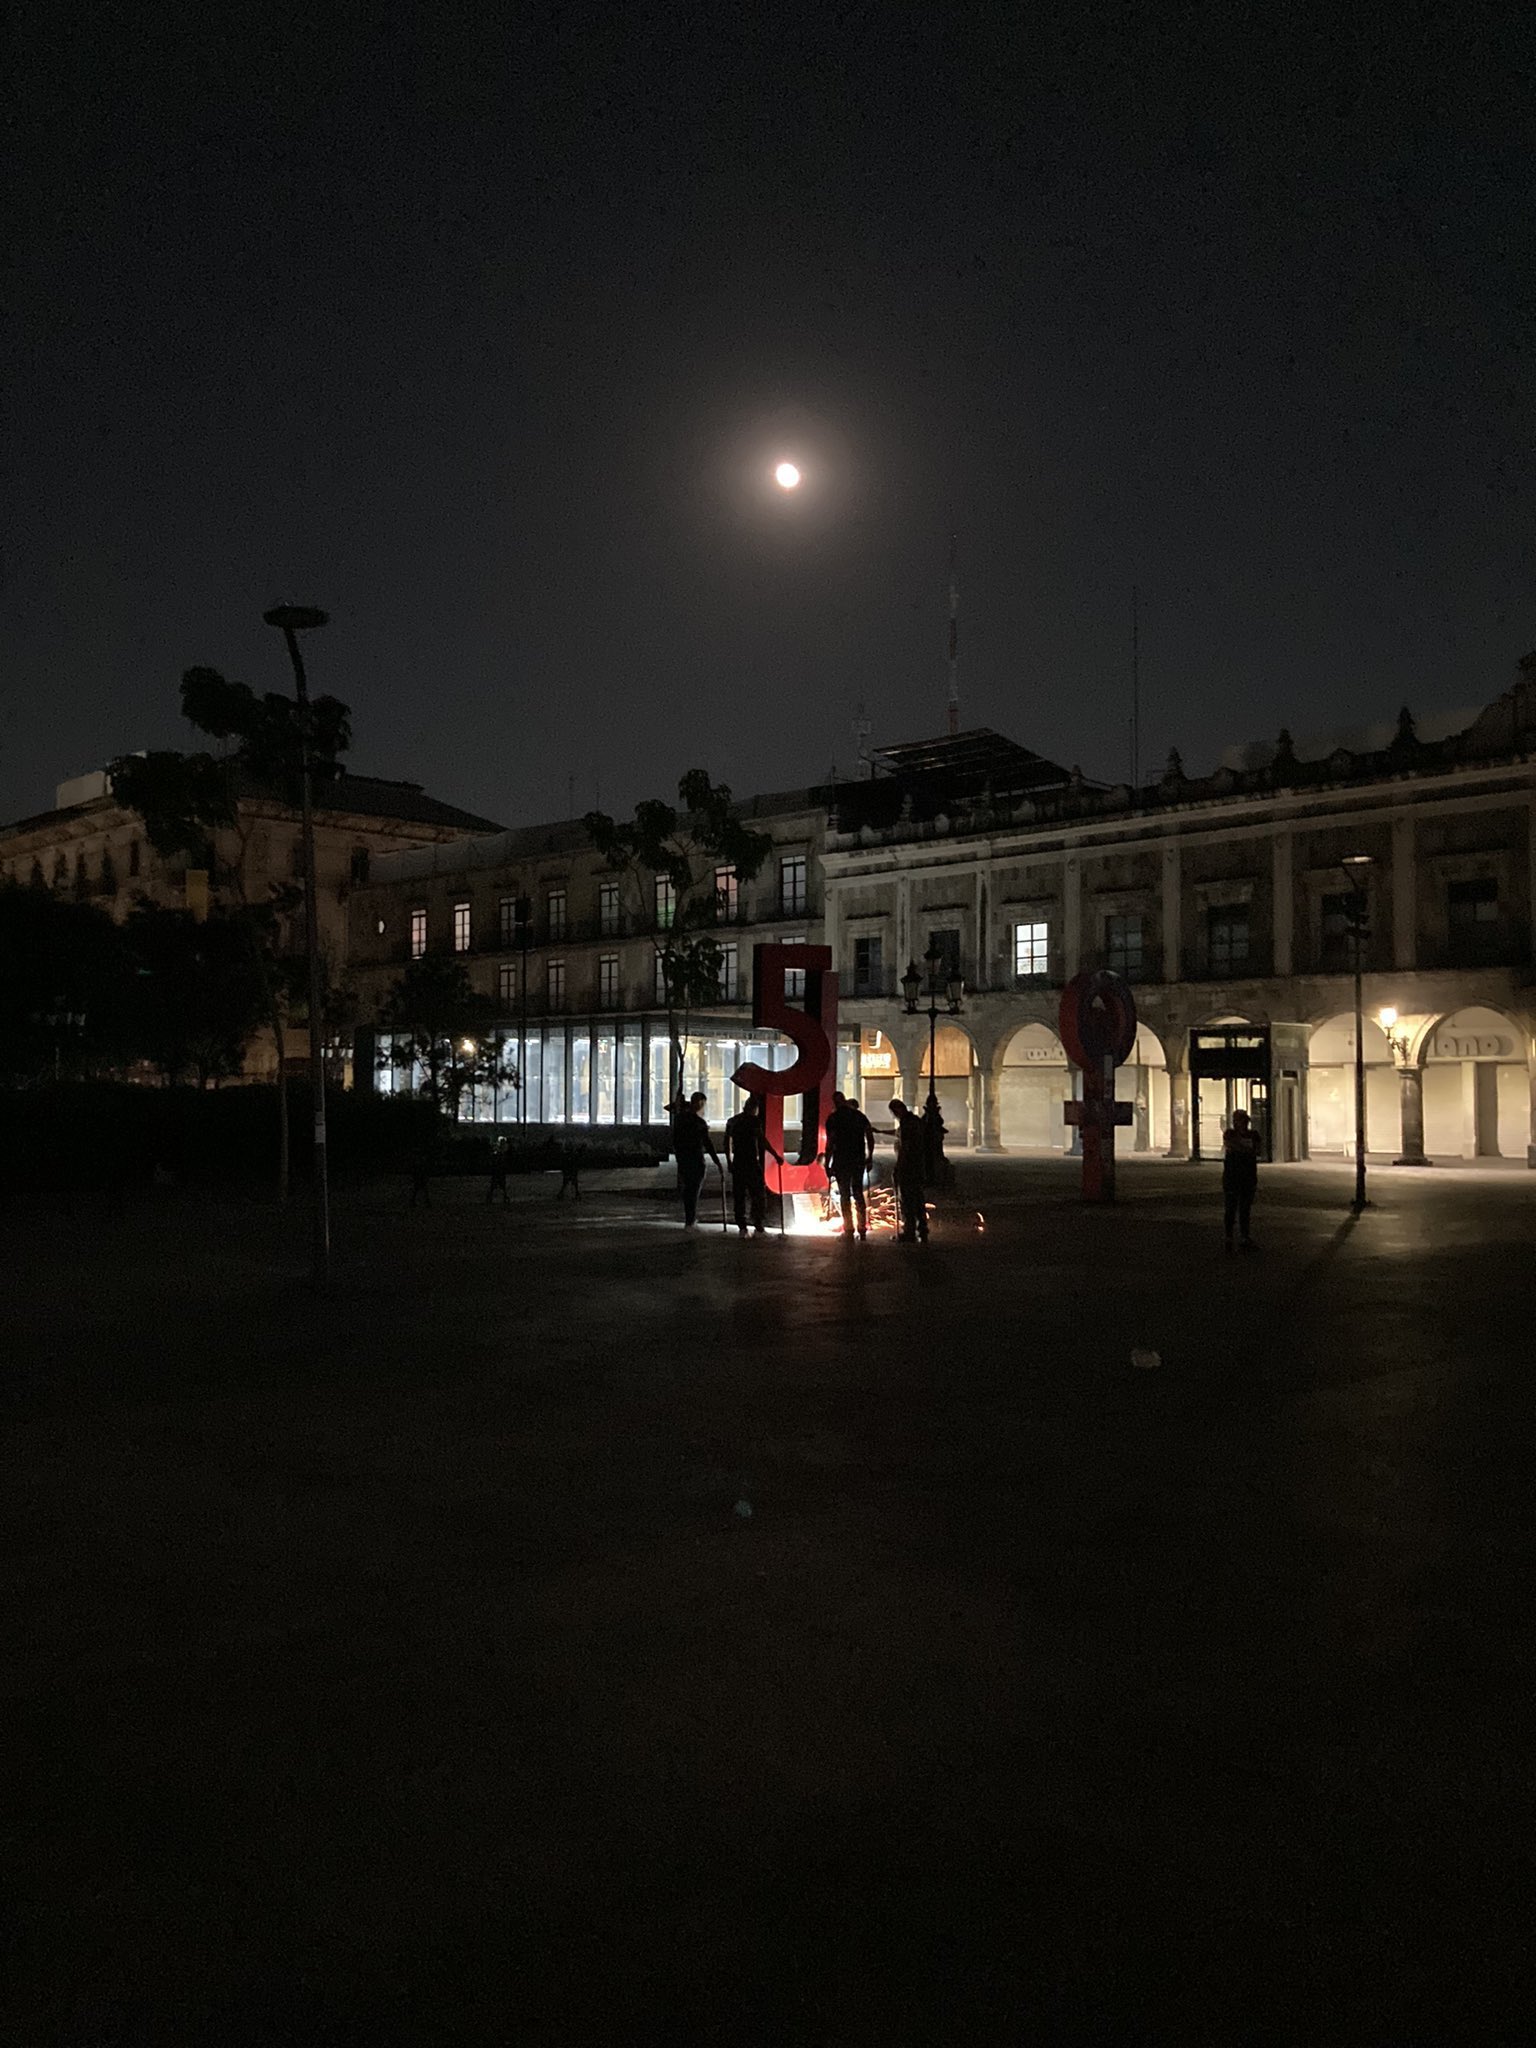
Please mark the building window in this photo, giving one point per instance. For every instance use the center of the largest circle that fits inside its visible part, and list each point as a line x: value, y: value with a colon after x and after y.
x: 868, y: 967
x: 794, y: 977
x: 608, y: 981
x: 1031, y: 951
x: 461, y: 927
x: 1122, y: 945
x: 792, y: 885
x: 946, y: 944
x: 506, y: 921
x: 1472, y: 914
x: 666, y: 903
x: 359, y: 864
x: 1336, y: 933
x: 730, y: 983
x: 133, y: 856
x: 608, y: 909
x: 727, y: 895
x: 418, y: 933
x: 554, y: 983
x: 1227, y: 938
x: 506, y: 983
x: 554, y: 905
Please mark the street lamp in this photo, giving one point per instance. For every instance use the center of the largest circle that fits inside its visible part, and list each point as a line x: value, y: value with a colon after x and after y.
x: 1410, y: 1086
x: 292, y: 620
x: 952, y: 988
x: 1354, y: 866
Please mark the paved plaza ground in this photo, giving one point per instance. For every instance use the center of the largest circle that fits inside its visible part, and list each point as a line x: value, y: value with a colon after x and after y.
x: 405, y: 1665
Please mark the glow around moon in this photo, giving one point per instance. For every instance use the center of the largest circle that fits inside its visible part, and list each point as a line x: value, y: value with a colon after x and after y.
x: 787, y: 477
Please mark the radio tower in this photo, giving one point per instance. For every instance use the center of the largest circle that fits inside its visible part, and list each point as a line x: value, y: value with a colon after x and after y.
x: 954, y: 642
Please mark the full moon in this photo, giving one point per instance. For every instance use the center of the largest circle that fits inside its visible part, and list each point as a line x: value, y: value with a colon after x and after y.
x: 786, y: 476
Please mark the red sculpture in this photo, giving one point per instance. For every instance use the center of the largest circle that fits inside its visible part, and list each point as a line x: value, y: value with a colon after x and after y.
x: 814, y: 1031
x: 1098, y: 1029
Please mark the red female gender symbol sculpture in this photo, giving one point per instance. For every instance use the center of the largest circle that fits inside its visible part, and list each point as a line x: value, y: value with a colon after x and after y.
x: 1098, y: 1029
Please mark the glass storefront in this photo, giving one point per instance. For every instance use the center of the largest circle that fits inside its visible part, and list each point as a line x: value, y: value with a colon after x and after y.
x: 606, y: 1073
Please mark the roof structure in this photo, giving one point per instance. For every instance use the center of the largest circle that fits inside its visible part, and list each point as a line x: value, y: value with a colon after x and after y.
x: 972, y: 759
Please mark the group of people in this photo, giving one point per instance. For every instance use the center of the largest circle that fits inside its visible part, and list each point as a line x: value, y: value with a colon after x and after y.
x: 848, y: 1154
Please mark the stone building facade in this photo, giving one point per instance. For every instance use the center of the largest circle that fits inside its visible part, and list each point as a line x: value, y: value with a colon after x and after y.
x: 1229, y: 901
x: 90, y: 847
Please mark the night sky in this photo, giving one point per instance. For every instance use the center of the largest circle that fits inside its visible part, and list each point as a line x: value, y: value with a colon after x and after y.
x: 484, y: 329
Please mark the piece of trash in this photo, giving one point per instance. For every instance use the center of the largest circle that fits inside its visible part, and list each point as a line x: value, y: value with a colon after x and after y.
x: 744, y: 1509
x: 1144, y: 1360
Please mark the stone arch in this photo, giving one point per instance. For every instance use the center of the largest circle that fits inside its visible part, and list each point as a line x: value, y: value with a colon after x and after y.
x: 957, y: 1082
x: 1034, y: 1080
x: 1476, y: 1064
x: 1143, y: 1082
x: 1331, y: 1089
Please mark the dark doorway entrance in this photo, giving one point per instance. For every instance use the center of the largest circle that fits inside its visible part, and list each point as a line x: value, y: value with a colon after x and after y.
x: 1231, y: 1062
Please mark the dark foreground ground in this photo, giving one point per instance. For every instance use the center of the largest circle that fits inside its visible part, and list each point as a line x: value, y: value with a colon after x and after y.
x: 402, y: 1667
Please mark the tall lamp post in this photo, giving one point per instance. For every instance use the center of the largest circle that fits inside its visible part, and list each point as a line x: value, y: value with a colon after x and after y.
x: 292, y: 620
x: 1354, y: 866
x: 951, y: 988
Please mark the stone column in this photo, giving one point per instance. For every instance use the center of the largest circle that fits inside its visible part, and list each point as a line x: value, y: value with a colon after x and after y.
x: 1072, y: 917
x: 1178, y: 1113
x: 1469, y: 1109
x: 989, y: 1127
x: 1173, y: 923
x: 1405, y: 898
x: 1283, y: 888
x: 1410, y: 1083
x: 1530, y: 1064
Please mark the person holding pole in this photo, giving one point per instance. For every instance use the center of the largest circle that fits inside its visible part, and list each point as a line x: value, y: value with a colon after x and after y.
x: 850, y: 1140
x: 746, y: 1152
x: 690, y: 1141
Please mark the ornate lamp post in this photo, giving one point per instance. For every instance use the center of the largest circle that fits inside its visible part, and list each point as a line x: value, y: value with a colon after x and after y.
x: 1354, y: 866
x: 291, y: 620
x: 1410, y: 1084
x: 951, y: 988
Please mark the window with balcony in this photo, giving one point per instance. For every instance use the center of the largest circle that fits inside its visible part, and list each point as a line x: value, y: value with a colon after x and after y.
x: 1123, y: 953
x: 1031, y: 950
x: 607, y: 981
x: 506, y: 921
x: 792, y: 885
x: 608, y: 909
x: 729, y: 982
x: 1472, y: 918
x: 1336, y: 944
x: 946, y: 944
x: 554, y: 904
x: 461, y: 927
x: 868, y: 966
x: 554, y: 984
x: 727, y: 895
x: 794, y: 977
x: 418, y: 933
x: 1226, y: 931
x: 666, y: 903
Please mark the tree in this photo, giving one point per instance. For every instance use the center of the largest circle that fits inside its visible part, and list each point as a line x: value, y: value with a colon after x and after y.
x: 198, y: 994
x: 434, y: 1006
x: 680, y: 850
x: 190, y: 805
x: 65, y: 982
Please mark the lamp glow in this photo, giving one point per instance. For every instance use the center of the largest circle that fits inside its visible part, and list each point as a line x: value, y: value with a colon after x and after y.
x: 787, y: 477
x: 1388, y: 1017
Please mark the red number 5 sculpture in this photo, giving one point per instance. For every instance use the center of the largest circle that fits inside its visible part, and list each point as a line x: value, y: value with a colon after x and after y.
x: 814, y: 1031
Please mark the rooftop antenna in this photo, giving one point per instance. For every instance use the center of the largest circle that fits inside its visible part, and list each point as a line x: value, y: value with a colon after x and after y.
x: 954, y: 642
x: 861, y: 731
